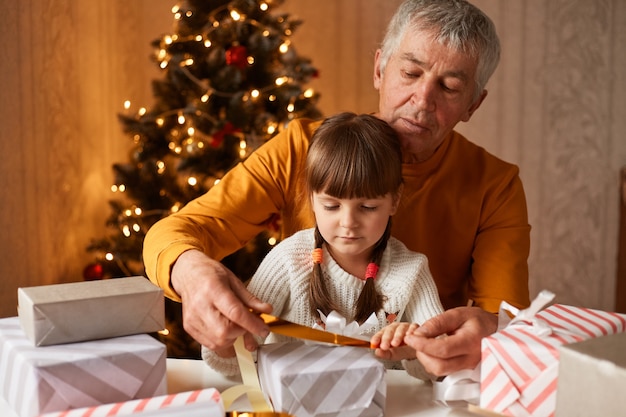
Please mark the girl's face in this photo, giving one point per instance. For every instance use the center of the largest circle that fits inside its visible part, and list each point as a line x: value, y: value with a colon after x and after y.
x: 351, y: 227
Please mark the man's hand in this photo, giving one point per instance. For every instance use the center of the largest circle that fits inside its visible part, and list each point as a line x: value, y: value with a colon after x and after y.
x: 216, y: 304
x: 451, y: 341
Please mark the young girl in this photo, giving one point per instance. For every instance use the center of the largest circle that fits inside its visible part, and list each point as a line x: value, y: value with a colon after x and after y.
x: 348, y: 263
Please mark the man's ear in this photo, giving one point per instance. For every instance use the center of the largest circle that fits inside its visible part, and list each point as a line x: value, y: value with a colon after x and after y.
x: 378, y: 76
x: 474, y: 106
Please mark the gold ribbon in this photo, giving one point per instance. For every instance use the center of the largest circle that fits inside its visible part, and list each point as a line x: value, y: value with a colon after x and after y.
x: 251, y: 386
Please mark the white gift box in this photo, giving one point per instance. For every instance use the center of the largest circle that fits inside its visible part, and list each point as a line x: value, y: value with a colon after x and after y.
x: 36, y: 380
x: 200, y: 403
x: 519, y: 367
x: 88, y: 310
x: 308, y: 380
x: 592, y: 377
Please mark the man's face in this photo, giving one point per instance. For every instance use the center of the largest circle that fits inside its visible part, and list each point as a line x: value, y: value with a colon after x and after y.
x: 425, y: 91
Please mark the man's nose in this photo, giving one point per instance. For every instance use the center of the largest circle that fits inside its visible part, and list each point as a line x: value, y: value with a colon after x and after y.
x: 424, y: 95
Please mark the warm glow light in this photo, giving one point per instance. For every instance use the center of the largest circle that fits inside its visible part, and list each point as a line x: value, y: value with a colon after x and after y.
x: 191, y: 131
x: 192, y: 181
x: 160, y: 167
x: 127, y: 104
x: 309, y: 93
x: 207, y: 43
x: 243, y: 144
x: 250, y: 60
x: 108, y: 256
x: 168, y: 40
x: 138, y: 211
x: 164, y: 332
x: 272, y: 98
x: 290, y: 107
x: 204, y: 98
x: 271, y: 129
x: 126, y: 230
x: 266, y: 33
x: 162, y: 54
x: 284, y: 47
x: 142, y: 111
x: 175, y: 9
x: 136, y: 228
x: 175, y: 208
x: 271, y: 241
x: 181, y: 119
x: 263, y: 6
x: 128, y: 213
x: 281, y: 80
x: 235, y: 15
x: 189, y: 13
x: 160, y: 122
x: 255, y: 93
x: 216, y: 181
x: 198, y: 38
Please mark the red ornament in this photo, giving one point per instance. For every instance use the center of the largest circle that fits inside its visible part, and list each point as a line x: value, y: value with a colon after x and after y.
x: 218, y: 137
x: 93, y: 272
x: 237, y: 56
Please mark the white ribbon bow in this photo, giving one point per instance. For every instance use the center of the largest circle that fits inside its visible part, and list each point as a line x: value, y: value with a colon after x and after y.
x: 464, y: 386
x: 336, y: 323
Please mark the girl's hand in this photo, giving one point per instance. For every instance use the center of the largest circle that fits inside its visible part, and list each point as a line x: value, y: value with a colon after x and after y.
x: 389, y: 341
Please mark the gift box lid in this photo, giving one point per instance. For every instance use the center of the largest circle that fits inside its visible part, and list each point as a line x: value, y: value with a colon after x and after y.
x: 90, y: 310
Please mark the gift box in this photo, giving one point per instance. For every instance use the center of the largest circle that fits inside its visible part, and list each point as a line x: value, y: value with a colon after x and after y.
x: 200, y: 403
x: 519, y: 366
x: 89, y: 310
x: 308, y: 380
x: 592, y: 377
x: 36, y: 380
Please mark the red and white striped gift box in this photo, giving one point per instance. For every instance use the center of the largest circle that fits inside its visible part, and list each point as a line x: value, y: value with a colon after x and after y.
x: 519, y: 367
x: 205, y: 403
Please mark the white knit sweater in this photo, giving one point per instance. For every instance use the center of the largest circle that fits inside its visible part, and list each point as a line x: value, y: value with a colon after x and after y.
x: 283, y: 279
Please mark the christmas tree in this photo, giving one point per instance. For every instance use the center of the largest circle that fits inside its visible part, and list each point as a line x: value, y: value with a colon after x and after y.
x: 231, y: 80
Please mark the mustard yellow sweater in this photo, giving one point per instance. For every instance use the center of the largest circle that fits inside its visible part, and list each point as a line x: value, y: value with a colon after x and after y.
x: 463, y: 208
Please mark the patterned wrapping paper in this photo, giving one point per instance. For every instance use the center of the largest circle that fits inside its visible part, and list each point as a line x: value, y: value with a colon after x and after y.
x: 37, y: 380
x: 205, y: 403
x: 519, y: 367
x: 307, y: 380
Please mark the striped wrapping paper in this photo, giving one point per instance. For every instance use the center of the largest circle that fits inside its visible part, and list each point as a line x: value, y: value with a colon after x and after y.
x: 38, y: 380
x: 307, y: 380
x: 205, y: 403
x: 519, y: 367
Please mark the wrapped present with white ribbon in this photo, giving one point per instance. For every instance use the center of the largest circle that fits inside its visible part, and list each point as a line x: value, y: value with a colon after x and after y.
x: 307, y: 380
x: 37, y: 380
x: 519, y: 367
x: 200, y: 403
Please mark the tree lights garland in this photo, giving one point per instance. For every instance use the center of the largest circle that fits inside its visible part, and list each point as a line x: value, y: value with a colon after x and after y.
x: 231, y: 81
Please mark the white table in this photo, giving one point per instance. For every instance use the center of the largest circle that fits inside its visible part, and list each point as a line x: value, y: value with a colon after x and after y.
x: 406, y: 396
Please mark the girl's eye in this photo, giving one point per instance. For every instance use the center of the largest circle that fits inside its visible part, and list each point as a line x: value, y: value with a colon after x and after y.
x: 368, y: 208
x: 330, y: 208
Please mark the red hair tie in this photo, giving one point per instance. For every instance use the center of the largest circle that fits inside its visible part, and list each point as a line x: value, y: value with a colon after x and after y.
x: 371, y: 271
x: 317, y: 255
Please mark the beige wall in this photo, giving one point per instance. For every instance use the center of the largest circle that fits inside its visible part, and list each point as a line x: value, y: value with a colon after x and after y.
x: 556, y: 107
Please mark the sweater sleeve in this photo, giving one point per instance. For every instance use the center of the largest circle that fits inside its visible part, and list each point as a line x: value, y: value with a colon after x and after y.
x: 235, y: 210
